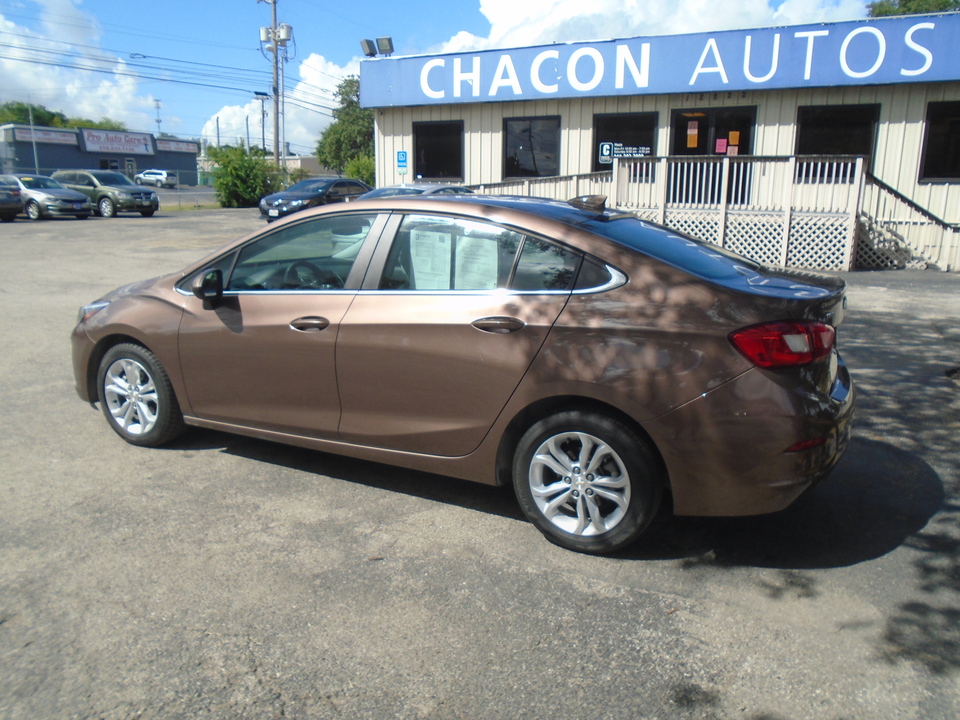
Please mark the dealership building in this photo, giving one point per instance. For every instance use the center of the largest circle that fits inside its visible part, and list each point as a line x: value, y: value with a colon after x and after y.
x: 45, y: 150
x: 843, y: 137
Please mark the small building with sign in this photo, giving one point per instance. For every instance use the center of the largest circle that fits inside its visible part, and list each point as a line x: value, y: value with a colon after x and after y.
x: 45, y: 150
x: 830, y: 145
x: 886, y: 90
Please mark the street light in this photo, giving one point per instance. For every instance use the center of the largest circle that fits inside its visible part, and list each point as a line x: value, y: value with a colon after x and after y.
x: 262, y: 97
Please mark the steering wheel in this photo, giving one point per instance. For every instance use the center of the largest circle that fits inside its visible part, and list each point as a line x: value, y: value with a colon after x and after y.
x: 305, y: 274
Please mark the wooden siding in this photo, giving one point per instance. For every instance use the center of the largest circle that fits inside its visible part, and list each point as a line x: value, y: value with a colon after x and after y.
x: 896, y: 161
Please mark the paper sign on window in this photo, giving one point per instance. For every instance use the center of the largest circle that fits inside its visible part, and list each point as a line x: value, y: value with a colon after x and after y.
x: 476, y: 263
x: 430, y: 254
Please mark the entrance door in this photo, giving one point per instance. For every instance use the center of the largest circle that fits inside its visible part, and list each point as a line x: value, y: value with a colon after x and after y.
x: 710, y: 132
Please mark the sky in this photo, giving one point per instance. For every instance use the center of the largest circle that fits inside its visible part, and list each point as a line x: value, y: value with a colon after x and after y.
x: 201, y: 61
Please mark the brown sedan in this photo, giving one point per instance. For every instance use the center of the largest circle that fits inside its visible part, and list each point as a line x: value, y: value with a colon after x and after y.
x: 597, y: 362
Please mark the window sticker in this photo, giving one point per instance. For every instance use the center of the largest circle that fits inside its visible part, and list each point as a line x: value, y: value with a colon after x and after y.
x: 476, y: 263
x: 430, y: 255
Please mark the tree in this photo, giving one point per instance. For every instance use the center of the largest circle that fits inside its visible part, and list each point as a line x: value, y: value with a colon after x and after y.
x: 19, y: 113
x: 883, y: 8
x: 242, y: 176
x: 351, y: 134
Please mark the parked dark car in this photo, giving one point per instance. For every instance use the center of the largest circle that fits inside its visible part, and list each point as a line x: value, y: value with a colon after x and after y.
x: 43, y: 197
x: 11, y: 204
x: 599, y: 363
x: 110, y: 191
x: 416, y: 189
x: 310, y: 193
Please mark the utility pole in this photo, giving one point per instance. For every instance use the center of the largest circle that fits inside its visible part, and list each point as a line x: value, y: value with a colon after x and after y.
x: 269, y: 35
x: 156, y: 104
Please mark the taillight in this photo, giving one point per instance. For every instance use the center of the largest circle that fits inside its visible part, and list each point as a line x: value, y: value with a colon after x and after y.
x: 784, y: 344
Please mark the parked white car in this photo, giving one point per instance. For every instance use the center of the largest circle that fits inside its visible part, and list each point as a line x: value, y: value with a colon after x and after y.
x: 156, y: 177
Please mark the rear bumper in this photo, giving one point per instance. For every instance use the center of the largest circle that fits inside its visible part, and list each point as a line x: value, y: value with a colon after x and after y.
x: 742, y: 465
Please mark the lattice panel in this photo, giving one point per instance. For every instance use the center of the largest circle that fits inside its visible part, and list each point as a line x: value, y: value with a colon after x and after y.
x: 819, y: 242
x: 881, y: 249
x: 758, y: 236
x: 701, y: 225
x: 648, y: 214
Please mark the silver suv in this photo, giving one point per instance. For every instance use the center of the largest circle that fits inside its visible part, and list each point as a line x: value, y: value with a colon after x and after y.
x: 160, y: 178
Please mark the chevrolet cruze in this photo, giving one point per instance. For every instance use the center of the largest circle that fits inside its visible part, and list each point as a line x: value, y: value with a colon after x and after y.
x: 603, y: 366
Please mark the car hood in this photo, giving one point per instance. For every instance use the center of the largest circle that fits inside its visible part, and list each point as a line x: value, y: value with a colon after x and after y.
x: 60, y: 194
x: 125, y: 188
x: 284, y: 197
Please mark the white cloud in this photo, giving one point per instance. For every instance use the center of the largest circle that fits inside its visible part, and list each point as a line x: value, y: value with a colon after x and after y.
x: 307, y: 110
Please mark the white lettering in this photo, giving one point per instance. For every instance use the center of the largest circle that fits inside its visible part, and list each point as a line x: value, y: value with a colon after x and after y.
x: 472, y: 77
x: 641, y: 75
x: 881, y: 52
x: 575, y: 81
x: 425, y: 79
x: 535, y: 78
x: 928, y: 56
x: 710, y: 47
x: 810, y: 35
x: 505, y: 76
x: 773, y: 63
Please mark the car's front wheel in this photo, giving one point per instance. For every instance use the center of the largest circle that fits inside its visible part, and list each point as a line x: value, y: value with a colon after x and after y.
x: 589, y: 482
x: 136, y: 396
x: 33, y: 210
x: 106, y: 208
x: 147, y: 213
x: 7, y: 218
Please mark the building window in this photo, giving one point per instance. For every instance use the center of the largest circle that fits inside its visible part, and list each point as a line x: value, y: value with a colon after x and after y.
x: 634, y: 131
x: 531, y: 147
x: 837, y: 130
x: 438, y: 150
x: 714, y: 131
x: 941, y: 145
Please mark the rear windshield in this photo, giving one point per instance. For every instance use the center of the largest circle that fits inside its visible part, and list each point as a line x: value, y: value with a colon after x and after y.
x: 695, y: 256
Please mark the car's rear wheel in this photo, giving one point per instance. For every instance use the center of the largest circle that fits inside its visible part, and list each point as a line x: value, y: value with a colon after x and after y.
x: 589, y: 482
x: 136, y: 396
x: 107, y: 208
x: 33, y: 211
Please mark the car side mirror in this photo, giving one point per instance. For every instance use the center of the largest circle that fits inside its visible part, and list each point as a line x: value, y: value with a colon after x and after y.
x: 208, y: 285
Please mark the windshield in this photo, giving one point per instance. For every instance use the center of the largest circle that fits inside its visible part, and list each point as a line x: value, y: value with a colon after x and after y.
x: 39, y: 182
x: 309, y: 186
x: 112, y: 178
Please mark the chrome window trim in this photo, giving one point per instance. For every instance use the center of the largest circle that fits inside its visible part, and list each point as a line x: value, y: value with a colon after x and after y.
x: 617, y: 279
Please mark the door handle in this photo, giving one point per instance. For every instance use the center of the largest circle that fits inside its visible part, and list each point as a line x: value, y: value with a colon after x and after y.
x: 310, y: 324
x: 499, y: 325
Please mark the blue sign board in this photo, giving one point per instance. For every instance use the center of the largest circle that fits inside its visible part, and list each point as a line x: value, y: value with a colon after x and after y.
x: 401, y: 158
x: 879, y: 51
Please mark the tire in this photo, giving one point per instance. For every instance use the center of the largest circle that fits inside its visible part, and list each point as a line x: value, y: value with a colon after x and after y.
x: 81, y: 217
x: 106, y: 208
x: 136, y: 397
x: 7, y: 218
x: 147, y: 213
x: 33, y: 211
x: 138, y: 181
x: 588, y: 482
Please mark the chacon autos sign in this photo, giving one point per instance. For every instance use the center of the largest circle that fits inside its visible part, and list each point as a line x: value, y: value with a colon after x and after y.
x: 920, y: 48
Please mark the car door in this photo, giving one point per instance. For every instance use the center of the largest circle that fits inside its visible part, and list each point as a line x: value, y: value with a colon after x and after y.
x: 452, y: 314
x: 264, y: 354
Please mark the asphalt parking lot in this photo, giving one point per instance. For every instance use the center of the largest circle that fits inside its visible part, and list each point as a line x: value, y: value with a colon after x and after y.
x: 230, y: 578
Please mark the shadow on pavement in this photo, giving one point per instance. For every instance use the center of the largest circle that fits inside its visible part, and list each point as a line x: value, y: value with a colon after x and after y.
x: 876, y: 498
